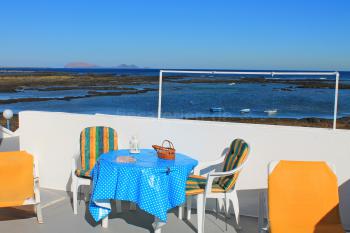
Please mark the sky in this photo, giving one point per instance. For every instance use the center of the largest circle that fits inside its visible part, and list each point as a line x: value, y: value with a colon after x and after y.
x: 233, y: 34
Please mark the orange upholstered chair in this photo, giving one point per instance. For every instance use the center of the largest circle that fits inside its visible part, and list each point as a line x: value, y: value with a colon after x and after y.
x: 302, y: 197
x: 19, y: 181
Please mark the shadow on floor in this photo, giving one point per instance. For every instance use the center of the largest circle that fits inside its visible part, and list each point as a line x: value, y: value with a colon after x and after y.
x: 137, y: 217
x: 15, y: 213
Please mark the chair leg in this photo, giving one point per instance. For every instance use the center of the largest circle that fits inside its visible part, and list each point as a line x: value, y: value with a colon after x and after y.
x: 200, y: 213
x: 87, y: 194
x: 235, y: 203
x: 262, y: 225
x: 180, y: 213
x: 188, y: 208
x: 227, y: 205
x: 37, y: 208
x: 105, y: 222
x: 226, y: 211
x: 220, y: 203
x: 75, y: 187
x: 157, y: 225
x: 39, y: 214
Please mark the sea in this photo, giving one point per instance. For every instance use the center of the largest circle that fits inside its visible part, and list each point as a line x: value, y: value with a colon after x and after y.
x: 190, y: 100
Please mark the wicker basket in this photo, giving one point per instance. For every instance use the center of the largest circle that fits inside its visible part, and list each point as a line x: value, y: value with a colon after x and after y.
x: 165, y: 152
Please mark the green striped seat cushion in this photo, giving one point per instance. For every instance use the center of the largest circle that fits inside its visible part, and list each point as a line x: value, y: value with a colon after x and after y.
x: 95, y: 141
x: 236, y: 155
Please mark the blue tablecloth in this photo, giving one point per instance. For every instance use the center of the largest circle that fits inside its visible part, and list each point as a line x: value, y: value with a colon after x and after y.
x: 155, y: 185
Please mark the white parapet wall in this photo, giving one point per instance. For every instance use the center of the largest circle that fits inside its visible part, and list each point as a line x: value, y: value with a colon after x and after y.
x: 54, y: 137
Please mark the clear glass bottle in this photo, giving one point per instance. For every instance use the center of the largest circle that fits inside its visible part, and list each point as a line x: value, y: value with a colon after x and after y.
x: 134, y: 145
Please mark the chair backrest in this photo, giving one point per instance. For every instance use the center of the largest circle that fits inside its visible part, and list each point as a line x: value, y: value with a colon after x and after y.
x: 16, y: 178
x: 303, y: 197
x: 95, y: 141
x: 235, y: 157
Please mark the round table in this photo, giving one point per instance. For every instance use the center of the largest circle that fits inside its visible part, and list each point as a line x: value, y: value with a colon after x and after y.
x: 155, y: 185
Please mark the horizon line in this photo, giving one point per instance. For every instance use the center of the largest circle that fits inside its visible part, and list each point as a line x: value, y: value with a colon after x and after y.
x: 170, y: 68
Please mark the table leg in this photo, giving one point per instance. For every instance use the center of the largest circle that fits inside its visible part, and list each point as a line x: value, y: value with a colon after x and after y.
x: 157, y: 225
x: 180, y: 214
x: 105, y: 222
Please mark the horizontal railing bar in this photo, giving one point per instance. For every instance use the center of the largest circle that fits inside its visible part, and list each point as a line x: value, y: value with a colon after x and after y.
x: 249, y: 72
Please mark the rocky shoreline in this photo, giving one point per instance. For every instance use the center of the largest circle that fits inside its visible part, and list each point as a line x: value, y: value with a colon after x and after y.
x: 68, y: 98
x: 294, y: 83
x: 342, y: 123
x: 54, y: 81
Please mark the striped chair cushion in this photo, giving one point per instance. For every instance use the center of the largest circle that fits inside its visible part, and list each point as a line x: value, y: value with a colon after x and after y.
x: 196, y: 185
x: 95, y: 141
x: 236, y: 155
x: 83, y: 173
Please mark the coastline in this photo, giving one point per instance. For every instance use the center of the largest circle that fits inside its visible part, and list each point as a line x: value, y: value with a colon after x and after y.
x: 68, y: 98
x: 113, y: 85
x: 46, y: 81
x: 342, y: 123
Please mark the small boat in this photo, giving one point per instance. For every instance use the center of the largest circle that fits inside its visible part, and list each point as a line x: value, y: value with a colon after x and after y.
x: 323, y: 78
x: 231, y: 84
x: 217, y: 109
x: 20, y: 89
x: 245, y: 110
x: 271, y: 111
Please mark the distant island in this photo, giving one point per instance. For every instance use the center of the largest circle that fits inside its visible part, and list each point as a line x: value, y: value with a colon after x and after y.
x: 89, y: 65
x: 80, y: 65
x: 125, y: 66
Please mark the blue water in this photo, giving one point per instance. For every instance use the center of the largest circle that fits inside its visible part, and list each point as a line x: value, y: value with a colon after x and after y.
x: 190, y: 100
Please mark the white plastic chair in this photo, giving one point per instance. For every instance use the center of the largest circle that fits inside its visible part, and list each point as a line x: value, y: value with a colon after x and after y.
x: 78, y: 181
x: 230, y: 196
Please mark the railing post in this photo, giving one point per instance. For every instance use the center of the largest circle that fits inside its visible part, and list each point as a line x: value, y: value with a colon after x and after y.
x: 160, y: 94
x: 336, y: 100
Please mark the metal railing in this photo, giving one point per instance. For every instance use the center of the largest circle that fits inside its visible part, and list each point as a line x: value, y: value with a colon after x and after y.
x: 336, y: 74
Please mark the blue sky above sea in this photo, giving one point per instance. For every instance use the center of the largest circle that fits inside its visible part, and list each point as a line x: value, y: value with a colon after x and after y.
x: 251, y: 34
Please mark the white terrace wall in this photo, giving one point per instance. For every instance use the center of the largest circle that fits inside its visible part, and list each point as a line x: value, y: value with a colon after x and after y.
x: 54, y: 137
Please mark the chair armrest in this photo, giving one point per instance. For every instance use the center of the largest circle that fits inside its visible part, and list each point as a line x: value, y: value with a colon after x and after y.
x: 228, y: 173
x: 213, y: 175
x: 207, y: 164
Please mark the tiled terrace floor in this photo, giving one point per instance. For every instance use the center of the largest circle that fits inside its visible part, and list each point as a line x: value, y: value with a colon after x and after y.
x: 59, y: 218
